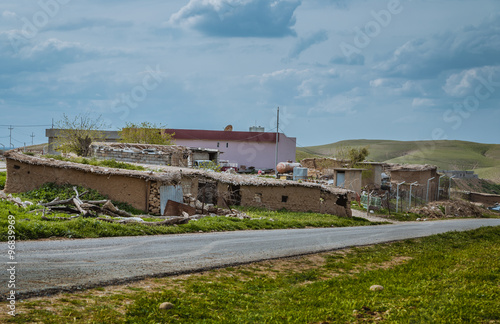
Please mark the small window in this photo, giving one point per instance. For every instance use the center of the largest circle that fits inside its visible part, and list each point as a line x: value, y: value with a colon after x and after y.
x: 218, y: 144
x: 227, y: 144
x: 284, y: 199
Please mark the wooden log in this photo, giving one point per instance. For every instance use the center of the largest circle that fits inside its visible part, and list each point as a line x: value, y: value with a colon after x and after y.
x: 78, y: 204
x: 109, y: 206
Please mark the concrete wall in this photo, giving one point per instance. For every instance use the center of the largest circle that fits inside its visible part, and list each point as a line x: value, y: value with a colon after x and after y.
x: 372, y: 175
x: 352, y: 180
x: 23, y: 177
x: 258, y: 155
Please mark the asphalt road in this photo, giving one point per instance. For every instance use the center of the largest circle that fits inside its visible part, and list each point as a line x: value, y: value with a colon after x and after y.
x: 51, y: 266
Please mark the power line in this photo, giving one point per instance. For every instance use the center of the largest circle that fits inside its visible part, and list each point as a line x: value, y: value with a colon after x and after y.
x: 25, y: 125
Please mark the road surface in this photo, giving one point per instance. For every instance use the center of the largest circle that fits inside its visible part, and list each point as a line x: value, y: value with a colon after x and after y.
x: 50, y: 266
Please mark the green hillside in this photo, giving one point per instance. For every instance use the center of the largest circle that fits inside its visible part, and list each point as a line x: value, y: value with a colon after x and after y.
x: 484, y: 159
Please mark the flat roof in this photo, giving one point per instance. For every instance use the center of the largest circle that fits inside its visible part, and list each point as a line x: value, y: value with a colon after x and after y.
x: 210, y: 135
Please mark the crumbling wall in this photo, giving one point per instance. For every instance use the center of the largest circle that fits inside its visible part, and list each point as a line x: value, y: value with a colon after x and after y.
x: 143, y: 154
x: 22, y: 177
x: 335, y: 204
x: 295, y: 198
x: 486, y: 199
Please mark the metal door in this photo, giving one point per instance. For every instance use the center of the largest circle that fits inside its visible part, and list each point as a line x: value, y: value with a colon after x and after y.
x: 170, y: 193
x: 340, y: 179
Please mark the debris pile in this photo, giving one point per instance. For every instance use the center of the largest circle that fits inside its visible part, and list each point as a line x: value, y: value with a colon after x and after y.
x: 448, y: 209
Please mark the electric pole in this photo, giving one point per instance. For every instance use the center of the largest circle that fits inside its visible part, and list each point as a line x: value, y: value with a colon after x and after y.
x: 10, y: 136
x: 32, y: 137
x: 277, y: 141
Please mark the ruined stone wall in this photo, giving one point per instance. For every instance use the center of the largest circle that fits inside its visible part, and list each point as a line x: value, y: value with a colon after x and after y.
x: 189, y: 187
x: 178, y: 157
x: 22, y: 177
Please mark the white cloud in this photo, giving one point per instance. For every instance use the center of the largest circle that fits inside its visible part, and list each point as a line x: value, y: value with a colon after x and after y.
x: 465, y: 83
x: 423, y: 102
x: 238, y: 18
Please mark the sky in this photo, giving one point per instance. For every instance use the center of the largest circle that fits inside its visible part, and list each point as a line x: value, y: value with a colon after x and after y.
x: 338, y: 69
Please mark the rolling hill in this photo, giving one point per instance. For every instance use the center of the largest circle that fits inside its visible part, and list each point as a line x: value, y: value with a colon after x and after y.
x: 484, y: 159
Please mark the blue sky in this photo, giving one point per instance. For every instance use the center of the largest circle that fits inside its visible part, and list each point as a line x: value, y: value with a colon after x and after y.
x: 338, y: 69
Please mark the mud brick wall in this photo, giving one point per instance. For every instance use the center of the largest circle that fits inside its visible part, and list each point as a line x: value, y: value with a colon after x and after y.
x: 301, y: 199
x: 486, y: 199
x: 22, y: 177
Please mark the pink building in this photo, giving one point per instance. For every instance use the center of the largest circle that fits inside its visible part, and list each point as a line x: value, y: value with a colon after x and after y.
x: 255, y: 149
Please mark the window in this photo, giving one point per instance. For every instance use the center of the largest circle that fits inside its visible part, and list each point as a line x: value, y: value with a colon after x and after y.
x: 218, y: 144
x: 284, y: 199
x: 227, y: 144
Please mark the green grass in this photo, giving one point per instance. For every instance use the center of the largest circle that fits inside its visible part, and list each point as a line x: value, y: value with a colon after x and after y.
x: 3, y: 178
x: 101, y: 163
x: 447, y: 155
x: 446, y: 278
x: 30, y: 226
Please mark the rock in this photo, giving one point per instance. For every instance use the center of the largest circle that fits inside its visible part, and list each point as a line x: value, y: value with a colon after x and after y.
x: 166, y: 306
x: 376, y: 288
x: 185, y: 215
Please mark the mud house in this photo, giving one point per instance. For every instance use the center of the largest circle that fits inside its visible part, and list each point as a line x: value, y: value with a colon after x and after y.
x: 150, y: 190
x: 366, y: 175
x: 424, y: 176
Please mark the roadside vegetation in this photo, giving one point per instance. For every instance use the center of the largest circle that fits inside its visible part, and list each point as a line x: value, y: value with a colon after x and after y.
x: 95, y: 162
x: 30, y: 226
x: 3, y: 178
x: 446, y: 278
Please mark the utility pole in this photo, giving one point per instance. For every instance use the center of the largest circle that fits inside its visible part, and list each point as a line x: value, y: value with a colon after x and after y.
x: 32, y: 137
x: 10, y: 136
x: 277, y: 141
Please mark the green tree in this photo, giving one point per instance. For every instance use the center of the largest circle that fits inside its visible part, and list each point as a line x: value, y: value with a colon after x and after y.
x: 77, y: 134
x: 145, y: 133
x: 355, y: 155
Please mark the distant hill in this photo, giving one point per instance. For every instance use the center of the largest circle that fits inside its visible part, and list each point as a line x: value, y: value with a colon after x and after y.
x: 484, y: 159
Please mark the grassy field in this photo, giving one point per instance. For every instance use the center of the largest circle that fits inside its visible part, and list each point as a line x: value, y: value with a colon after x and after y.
x: 446, y: 278
x: 447, y: 155
x: 30, y: 226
